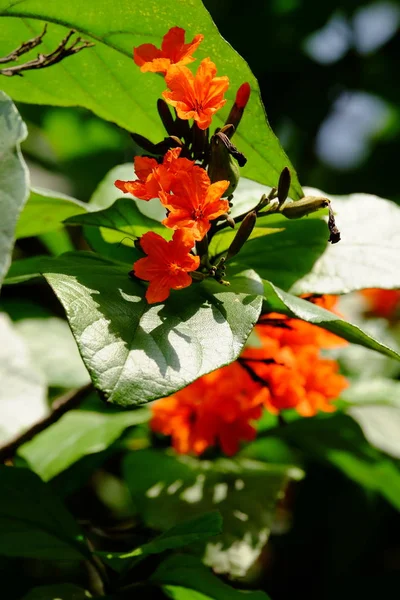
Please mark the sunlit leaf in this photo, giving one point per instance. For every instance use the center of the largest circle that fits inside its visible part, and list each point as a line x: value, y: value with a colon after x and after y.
x: 105, y: 79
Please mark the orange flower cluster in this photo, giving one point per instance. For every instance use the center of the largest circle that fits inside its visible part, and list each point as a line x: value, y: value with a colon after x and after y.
x: 183, y: 187
x: 383, y: 303
x: 283, y: 370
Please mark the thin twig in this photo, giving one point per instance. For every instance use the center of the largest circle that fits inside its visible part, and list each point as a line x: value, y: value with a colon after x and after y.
x: 60, y: 406
x: 24, y: 48
x: 43, y: 60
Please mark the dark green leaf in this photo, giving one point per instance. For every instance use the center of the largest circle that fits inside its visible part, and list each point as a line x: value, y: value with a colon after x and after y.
x: 33, y: 521
x: 14, y: 178
x: 280, y: 301
x: 338, y: 441
x: 45, y: 211
x: 167, y: 489
x: 188, y: 572
x: 182, y: 534
x: 76, y: 434
x: 136, y: 352
x: 105, y: 79
x: 60, y: 591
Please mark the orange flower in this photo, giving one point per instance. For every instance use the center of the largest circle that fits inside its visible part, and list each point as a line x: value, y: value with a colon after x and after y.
x: 173, y: 51
x: 167, y: 264
x: 153, y: 176
x: 197, y: 96
x: 383, y: 303
x: 216, y: 409
x: 195, y: 202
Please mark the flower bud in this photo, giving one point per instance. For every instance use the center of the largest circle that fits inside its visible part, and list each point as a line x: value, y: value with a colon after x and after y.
x: 237, y: 110
x: 243, y: 234
x: 283, y: 185
x: 222, y: 165
x: 303, y: 207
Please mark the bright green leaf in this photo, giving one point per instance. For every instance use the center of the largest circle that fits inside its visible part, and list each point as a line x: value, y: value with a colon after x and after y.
x: 105, y: 79
x: 76, y: 434
x: 186, y: 571
x: 14, y: 178
x: 45, y: 211
x: 280, y: 301
x: 33, y: 521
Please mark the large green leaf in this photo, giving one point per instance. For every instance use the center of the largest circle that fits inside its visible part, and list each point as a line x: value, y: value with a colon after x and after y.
x: 33, y: 521
x: 299, y: 258
x: 105, y: 79
x: 77, y: 434
x: 136, y: 352
x: 23, y: 386
x: 45, y: 211
x: 167, y: 489
x: 188, y: 572
x: 282, y: 302
x: 14, y: 178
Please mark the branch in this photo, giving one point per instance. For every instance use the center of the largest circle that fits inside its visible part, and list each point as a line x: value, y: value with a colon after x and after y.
x: 60, y: 406
x: 43, y: 60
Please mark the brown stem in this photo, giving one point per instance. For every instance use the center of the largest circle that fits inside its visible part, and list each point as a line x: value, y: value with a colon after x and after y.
x: 60, y: 406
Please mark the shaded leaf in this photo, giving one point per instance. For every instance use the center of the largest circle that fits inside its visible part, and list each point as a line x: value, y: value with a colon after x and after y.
x: 60, y: 591
x: 167, y: 489
x: 188, y: 572
x: 105, y: 79
x: 33, y: 521
x: 14, y: 178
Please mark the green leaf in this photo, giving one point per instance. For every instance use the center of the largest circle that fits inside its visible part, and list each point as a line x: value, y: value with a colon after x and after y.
x: 375, y: 406
x: 59, y: 591
x: 183, y: 534
x: 280, y: 301
x: 14, y: 178
x: 167, y: 489
x: 137, y: 352
x: 76, y: 434
x: 188, y: 572
x: 33, y: 521
x: 26, y: 269
x: 338, y: 441
x: 23, y: 387
x: 45, y: 211
x: 121, y: 219
x: 105, y: 80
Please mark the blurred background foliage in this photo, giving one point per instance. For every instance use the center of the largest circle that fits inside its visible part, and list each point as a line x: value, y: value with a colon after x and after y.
x: 329, y: 78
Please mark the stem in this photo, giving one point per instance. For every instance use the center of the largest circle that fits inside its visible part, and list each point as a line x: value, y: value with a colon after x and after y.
x: 260, y: 205
x: 60, y: 406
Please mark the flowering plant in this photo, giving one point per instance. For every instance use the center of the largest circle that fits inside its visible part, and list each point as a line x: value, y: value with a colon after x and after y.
x: 204, y: 279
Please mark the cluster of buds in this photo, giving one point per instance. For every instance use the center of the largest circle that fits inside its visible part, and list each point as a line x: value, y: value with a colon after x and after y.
x: 194, y: 173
